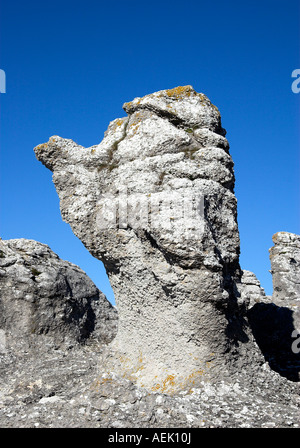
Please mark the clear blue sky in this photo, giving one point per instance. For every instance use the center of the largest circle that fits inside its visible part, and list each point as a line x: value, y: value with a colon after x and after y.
x: 70, y: 65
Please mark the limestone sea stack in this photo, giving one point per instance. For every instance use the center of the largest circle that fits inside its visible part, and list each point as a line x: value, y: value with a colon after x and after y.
x: 155, y: 202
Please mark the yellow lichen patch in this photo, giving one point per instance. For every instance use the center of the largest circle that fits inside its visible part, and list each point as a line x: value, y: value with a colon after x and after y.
x: 164, y: 381
x: 129, y: 105
x: 119, y: 122
x: 42, y: 146
x: 202, y: 97
x: 99, y: 383
x: 135, y: 123
x: 205, y: 101
x: 134, y: 127
x: 171, y: 384
x: 167, y: 383
x: 191, y: 378
x: 216, y: 109
x: 180, y: 91
x: 131, y: 371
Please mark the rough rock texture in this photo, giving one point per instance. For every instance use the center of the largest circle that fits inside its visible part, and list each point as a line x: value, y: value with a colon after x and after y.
x: 48, y: 380
x: 250, y: 291
x: 181, y: 294
x: 285, y: 268
x: 42, y: 295
x: 275, y: 324
x: 69, y: 389
x: 155, y: 202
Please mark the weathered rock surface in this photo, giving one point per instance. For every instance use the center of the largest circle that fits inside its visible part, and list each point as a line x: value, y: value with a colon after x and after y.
x: 155, y: 202
x: 249, y: 290
x: 285, y: 268
x: 190, y: 318
x: 45, y: 299
x: 275, y: 323
x: 69, y: 389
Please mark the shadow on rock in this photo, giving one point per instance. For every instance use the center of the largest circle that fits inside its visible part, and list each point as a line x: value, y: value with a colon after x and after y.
x: 274, y: 332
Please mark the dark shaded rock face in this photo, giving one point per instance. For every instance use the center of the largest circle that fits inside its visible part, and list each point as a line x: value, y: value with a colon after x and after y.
x: 276, y: 325
x: 42, y: 295
x: 277, y: 337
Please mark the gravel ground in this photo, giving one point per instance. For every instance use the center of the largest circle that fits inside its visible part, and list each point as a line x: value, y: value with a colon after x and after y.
x: 69, y: 389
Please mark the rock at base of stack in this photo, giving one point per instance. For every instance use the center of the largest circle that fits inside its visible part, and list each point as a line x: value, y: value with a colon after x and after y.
x: 45, y: 299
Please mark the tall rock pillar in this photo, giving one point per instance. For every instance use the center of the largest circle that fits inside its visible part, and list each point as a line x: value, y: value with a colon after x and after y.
x: 155, y: 202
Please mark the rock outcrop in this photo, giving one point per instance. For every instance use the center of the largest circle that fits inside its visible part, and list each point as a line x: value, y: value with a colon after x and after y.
x: 46, y: 299
x: 275, y: 323
x: 155, y: 202
x: 250, y: 291
x: 285, y: 268
x: 52, y: 377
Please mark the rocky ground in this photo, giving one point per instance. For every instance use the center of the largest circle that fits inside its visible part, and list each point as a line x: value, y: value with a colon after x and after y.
x: 69, y: 389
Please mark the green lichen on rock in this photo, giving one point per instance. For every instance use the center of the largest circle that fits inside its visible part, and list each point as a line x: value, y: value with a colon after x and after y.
x: 35, y: 272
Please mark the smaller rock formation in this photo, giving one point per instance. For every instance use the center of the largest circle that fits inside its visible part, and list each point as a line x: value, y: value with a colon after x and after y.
x: 250, y: 291
x: 40, y: 294
x: 276, y: 324
x: 285, y: 268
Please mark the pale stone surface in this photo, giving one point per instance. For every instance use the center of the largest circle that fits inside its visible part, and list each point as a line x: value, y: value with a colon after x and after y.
x: 174, y: 269
x: 250, y: 291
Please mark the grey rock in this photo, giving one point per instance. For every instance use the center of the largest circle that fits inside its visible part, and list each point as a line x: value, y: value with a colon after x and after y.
x: 69, y: 389
x: 285, y: 268
x: 157, y: 279
x: 45, y: 299
x: 275, y: 323
x: 155, y: 202
x: 250, y: 291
